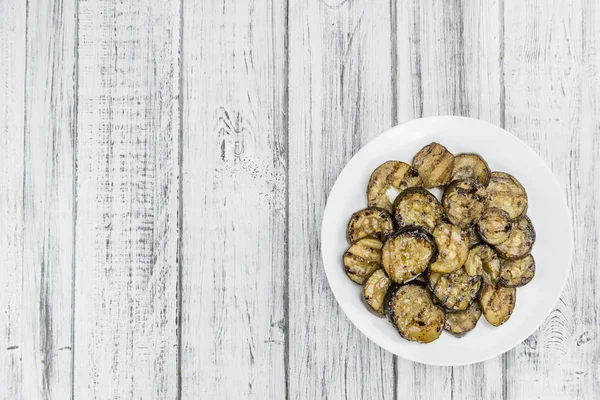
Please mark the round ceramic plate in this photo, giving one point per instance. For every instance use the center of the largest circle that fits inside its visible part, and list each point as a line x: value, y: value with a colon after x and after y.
x: 547, y: 209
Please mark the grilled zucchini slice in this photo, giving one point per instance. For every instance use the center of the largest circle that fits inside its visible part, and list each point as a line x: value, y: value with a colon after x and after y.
x: 483, y: 261
x: 388, y: 180
x: 494, y: 226
x: 464, y: 202
x: 452, y: 246
x: 455, y: 291
x: 375, y: 289
x: 505, y: 192
x: 517, y: 273
x: 461, y: 322
x: 407, y: 254
x: 414, y: 315
x: 369, y: 222
x: 520, y: 241
x: 474, y: 238
x: 497, y: 303
x: 362, y: 259
x: 471, y: 166
x: 418, y: 207
x: 435, y: 164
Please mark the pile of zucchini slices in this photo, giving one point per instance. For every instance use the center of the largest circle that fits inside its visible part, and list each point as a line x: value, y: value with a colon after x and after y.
x: 431, y: 265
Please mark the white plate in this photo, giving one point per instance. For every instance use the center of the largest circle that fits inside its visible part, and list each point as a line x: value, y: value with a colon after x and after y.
x: 547, y: 209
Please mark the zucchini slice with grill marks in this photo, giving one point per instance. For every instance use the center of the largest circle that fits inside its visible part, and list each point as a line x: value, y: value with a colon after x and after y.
x: 517, y: 273
x: 435, y: 164
x: 461, y: 322
x: 455, y: 291
x: 369, y: 222
x: 452, y: 246
x: 494, y: 226
x: 505, y: 192
x: 362, y: 259
x: 417, y: 207
x: 483, y: 261
x: 520, y: 241
x: 464, y: 202
x: 414, y: 315
x: 471, y: 166
x: 407, y: 254
x: 375, y: 289
x: 388, y: 180
x: 497, y: 303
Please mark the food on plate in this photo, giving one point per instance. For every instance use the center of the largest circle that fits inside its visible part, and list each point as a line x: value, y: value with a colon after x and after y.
x: 375, y: 290
x: 362, y: 259
x: 505, y: 192
x: 369, y: 222
x: 418, y: 207
x: 432, y: 266
x: 470, y: 166
x: 455, y: 291
x: 414, y: 315
x: 519, y: 242
x: 407, y: 254
x: 497, y: 303
x: 484, y: 262
x: 453, y: 248
x: 388, y: 180
x: 494, y: 226
x: 515, y: 273
x: 435, y: 164
x: 461, y: 322
x: 464, y: 202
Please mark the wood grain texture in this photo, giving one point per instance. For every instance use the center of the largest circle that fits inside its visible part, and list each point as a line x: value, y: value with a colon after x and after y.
x: 126, y: 274
x: 340, y: 97
x: 234, y: 166
x: 448, y: 63
x: 12, y: 131
x: 49, y: 199
x: 552, y: 88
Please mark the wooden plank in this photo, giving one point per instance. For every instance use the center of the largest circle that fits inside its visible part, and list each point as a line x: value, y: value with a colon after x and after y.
x: 448, y: 63
x: 12, y: 130
x: 234, y: 165
x: 126, y: 273
x: 552, y: 102
x: 49, y: 199
x: 340, y: 97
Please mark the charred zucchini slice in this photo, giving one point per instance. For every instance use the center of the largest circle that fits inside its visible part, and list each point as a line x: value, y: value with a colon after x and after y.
x: 375, y: 289
x: 369, y: 222
x: 474, y: 238
x: 471, y: 166
x: 452, y: 246
x: 407, y: 254
x: 455, y: 291
x: 388, y: 180
x: 483, y: 261
x: 505, y: 192
x: 497, y: 303
x: 362, y: 259
x: 464, y: 202
x: 418, y: 207
x: 435, y: 164
x: 414, y: 315
x: 517, y: 273
x: 461, y: 322
x: 520, y: 241
x: 494, y: 226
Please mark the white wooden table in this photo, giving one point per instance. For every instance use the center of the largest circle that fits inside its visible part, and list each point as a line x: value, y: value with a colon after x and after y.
x: 164, y: 165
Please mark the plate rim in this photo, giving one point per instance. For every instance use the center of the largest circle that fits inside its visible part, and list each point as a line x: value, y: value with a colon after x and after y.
x: 436, y: 120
